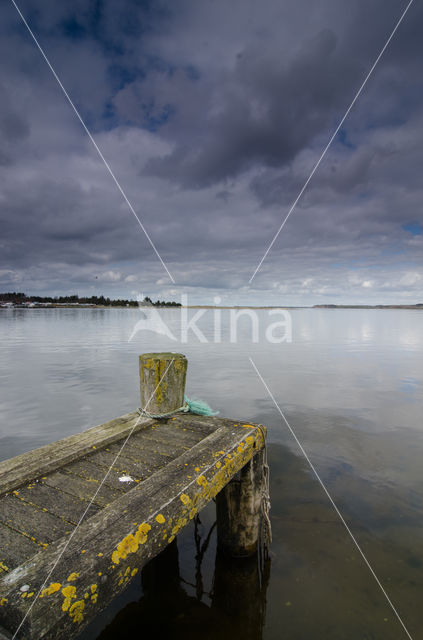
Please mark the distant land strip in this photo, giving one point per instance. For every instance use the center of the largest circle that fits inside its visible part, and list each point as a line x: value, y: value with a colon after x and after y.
x: 21, y: 300
x: 369, y: 306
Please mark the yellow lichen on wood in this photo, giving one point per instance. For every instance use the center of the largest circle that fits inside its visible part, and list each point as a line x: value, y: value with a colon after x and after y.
x: 142, y: 532
x: 179, y: 365
x: 94, y: 593
x: 3, y: 566
x: 69, y: 592
x: 72, y: 577
x: 160, y: 518
x: 76, y: 611
x: 3, y: 601
x: 55, y: 586
x: 130, y: 543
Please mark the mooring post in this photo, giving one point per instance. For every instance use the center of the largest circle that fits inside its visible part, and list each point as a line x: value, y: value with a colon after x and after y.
x: 162, y: 378
x: 238, y: 508
x: 162, y: 381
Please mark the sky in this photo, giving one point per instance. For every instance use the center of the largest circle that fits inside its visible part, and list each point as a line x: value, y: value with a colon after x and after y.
x: 212, y: 116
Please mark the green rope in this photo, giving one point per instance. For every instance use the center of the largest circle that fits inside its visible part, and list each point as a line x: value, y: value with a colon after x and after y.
x: 197, y: 407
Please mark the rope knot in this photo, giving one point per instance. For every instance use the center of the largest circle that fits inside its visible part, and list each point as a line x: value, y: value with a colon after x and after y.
x: 197, y: 407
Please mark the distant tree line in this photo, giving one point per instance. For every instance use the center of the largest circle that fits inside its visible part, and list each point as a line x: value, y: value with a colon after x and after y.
x: 21, y: 298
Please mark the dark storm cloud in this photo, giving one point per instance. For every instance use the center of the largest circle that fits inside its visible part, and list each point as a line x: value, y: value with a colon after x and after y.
x: 13, y: 129
x: 212, y: 117
x: 253, y: 115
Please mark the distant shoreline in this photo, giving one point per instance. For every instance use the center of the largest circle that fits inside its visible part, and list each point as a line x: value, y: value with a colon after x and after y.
x: 200, y: 306
x: 367, y: 306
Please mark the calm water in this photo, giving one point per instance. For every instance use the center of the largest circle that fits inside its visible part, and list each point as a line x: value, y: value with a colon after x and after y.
x: 350, y: 385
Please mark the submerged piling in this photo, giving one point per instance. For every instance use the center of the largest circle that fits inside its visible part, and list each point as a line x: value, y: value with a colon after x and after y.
x: 238, y: 508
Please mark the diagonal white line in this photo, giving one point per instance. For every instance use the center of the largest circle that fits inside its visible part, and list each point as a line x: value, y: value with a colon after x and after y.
x: 106, y: 164
x: 294, y: 204
x: 90, y: 503
x: 330, y: 498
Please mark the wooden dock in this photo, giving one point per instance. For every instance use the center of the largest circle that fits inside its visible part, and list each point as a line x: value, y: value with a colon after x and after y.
x: 79, y: 518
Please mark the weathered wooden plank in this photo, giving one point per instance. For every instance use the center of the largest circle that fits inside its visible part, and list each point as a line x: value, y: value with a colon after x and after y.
x: 137, y: 458
x: 171, y: 442
x: 108, y: 549
x: 56, y: 502
x: 179, y: 424
x: 134, y: 444
x: 206, y: 424
x: 169, y: 428
x: 35, y: 523
x: 125, y: 464
x: 26, y: 467
x: 153, y: 453
x: 4, y: 635
x: 108, y: 457
x: 82, y: 489
x: 88, y: 471
x: 169, y: 449
x: 15, y: 548
x: 198, y: 424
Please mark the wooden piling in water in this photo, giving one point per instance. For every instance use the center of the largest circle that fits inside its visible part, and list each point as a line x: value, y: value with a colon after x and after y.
x: 238, y: 508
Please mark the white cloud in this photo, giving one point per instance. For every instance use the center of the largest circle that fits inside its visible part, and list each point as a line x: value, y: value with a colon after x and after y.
x: 110, y: 276
x: 410, y: 278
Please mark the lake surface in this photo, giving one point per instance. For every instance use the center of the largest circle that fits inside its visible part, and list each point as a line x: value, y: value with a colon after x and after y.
x: 350, y: 385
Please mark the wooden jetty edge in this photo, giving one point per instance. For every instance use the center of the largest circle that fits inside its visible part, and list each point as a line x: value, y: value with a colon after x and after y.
x: 156, y: 482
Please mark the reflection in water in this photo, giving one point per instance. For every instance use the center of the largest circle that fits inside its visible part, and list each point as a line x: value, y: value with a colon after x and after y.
x: 239, y: 596
x: 237, y: 599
